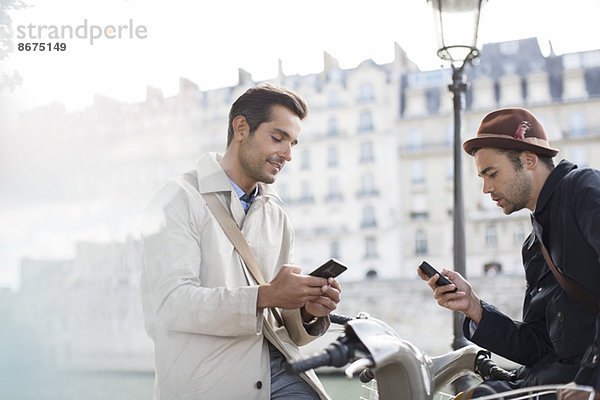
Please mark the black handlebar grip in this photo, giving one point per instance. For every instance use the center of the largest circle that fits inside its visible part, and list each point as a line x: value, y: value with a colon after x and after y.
x: 309, y: 363
x: 336, y: 354
x: 339, y: 319
x: 488, y: 369
x: 502, y: 374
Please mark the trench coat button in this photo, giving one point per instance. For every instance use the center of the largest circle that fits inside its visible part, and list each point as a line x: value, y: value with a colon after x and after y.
x: 560, y: 316
x: 258, y: 384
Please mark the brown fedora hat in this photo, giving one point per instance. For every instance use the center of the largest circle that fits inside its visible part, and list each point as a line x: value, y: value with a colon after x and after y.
x: 511, y: 128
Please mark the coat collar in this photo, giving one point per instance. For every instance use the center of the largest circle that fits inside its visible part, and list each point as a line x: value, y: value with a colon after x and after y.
x: 557, y: 174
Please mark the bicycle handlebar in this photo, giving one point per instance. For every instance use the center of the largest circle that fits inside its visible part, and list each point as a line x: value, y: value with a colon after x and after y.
x: 339, y: 319
x: 337, y: 354
x: 488, y: 369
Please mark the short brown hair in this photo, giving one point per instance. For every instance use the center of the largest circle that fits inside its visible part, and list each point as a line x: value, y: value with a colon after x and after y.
x: 515, y: 158
x: 256, y: 104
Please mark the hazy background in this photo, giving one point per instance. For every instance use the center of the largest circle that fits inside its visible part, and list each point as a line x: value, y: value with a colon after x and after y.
x: 205, y: 44
x: 73, y: 201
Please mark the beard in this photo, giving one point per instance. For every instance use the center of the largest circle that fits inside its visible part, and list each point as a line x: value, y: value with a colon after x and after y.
x: 256, y: 165
x: 517, y: 195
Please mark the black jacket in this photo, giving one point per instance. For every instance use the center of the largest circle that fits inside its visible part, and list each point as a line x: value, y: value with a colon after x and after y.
x: 567, y: 218
x: 556, y: 330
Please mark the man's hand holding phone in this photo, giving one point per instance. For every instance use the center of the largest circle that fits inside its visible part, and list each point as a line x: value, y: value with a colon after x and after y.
x: 452, y: 291
x: 330, y: 296
x: 330, y: 269
x: 430, y: 272
x: 316, y: 296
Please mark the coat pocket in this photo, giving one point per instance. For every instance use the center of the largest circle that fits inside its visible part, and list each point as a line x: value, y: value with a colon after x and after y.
x: 570, y: 326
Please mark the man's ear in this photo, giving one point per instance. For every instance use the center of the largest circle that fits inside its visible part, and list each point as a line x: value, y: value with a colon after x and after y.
x: 531, y: 159
x: 241, y: 129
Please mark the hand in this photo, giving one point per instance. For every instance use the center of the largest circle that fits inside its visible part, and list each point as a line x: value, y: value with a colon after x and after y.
x: 289, y: 289
x: 326, y: 303
x: 570, y: 392
x: 463, y: 300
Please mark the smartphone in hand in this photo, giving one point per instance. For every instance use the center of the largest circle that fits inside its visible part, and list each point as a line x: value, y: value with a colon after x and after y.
x: 330, y: 269
x: 430, y: 271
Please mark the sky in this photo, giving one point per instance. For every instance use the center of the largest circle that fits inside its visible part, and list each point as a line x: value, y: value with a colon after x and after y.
x: 207, y: 42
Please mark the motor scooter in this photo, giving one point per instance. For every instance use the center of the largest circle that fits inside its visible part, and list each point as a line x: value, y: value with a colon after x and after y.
x: 393, y: 368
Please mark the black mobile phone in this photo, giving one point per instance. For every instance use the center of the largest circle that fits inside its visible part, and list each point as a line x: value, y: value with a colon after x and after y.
x: 330, y: 269
x: 430, y: 271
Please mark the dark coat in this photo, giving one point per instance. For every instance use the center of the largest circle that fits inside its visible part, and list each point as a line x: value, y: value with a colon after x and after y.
x: 567, y: 218
x: 556, y: 330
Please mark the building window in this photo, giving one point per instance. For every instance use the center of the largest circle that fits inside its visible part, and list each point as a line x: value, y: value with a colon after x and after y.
x: 576, y: 124
x: 333, y: 192
x: 490, y: 236
x: 492, y: 268
x: 367, y: 185
x: 305, y: 159
x: 370, y: 247
x: 432, y: 98
x: 416, y: 139
x: 332, y: 127
x: 368, y: 218
x: 366, y: 152
x: 420, y: 242
x: 518, y: 235
x: 306, y: 193
x: 365, y: 93
x: 365, y: 122
x: 334, y: 249
x: 371, y: 274
x: 334, y: 99
x: 417, y: 172
x: 332, y: 156
x: 419, y: 207
x: 579, y: 156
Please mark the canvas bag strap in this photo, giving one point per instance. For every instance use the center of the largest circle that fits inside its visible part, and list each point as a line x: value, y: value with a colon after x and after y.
x: 234, y: 234
x: 574, y: 289
x: 237, y: 239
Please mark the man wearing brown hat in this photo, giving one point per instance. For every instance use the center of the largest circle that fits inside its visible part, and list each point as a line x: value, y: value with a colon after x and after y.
x: 513, y: 157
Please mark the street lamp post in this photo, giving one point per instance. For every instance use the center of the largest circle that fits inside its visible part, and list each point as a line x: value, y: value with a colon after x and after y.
x: 457, y: 23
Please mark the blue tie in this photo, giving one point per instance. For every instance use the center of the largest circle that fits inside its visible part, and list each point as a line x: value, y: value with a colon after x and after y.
x: 246, y: 200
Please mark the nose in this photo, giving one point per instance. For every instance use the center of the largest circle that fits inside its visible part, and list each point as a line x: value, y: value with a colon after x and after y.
x: 286, y: 152
x: 487, y: 187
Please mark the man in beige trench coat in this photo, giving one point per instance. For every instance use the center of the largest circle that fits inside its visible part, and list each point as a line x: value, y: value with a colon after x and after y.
x: 202, y: 307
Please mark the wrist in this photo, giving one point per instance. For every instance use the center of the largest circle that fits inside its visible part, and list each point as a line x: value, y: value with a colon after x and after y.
x: 476, y: 311
x: 263, y: 299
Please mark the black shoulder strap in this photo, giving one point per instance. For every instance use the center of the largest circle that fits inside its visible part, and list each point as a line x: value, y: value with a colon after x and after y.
x: 574, y: 289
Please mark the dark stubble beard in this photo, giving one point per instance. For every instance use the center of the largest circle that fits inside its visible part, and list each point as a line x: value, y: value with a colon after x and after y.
x: 518, y: 194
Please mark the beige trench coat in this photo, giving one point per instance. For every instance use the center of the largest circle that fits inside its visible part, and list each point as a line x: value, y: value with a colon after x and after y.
x: 199, y: 300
